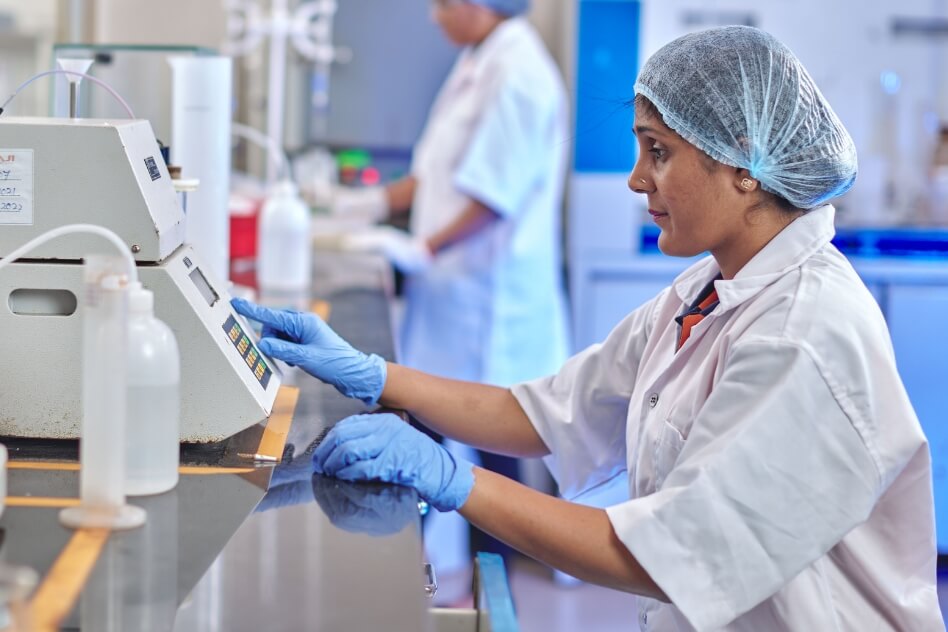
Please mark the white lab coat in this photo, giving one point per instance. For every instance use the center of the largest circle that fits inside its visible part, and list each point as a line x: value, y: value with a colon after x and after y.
x: 779, y: 477
x: 491, y: 307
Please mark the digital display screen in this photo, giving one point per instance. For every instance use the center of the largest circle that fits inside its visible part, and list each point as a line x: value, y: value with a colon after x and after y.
x: 197, y: 277
x: 247, y: 351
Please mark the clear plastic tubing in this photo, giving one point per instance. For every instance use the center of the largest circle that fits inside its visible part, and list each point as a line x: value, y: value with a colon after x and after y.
x: 275, y: 153
x: 154, y: 401
x: 71, y: 73
x: 128, y: 263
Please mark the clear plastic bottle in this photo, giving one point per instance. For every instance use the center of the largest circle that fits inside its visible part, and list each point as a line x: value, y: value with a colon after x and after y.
x: 284, y: 257
x: 154, y: 408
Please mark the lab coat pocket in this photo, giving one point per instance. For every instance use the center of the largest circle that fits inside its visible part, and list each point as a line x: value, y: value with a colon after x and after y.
x: 668, y: 447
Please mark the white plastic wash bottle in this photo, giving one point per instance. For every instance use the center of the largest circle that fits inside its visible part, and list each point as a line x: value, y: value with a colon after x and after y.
x: 154, y: 405
x: 283, y: 252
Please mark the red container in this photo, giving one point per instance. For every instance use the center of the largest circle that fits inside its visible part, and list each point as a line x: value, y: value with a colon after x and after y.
x: 244, y: 212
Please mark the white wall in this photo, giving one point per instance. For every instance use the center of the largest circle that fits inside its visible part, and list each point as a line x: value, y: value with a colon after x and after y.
x: 25, y: 50
x: 32, y: 16
x: 846, y: 45
x: 169, y: 22
x: 554, y: 19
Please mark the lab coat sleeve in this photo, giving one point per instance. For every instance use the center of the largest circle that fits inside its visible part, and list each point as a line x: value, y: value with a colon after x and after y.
x: 773, y: 474
x: 580, y: 413
x: 509, y: 149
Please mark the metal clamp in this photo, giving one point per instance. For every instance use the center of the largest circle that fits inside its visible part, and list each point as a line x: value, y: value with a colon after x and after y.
x: 431, y: 581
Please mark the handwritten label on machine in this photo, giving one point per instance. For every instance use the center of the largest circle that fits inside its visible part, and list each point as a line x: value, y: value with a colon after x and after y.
x: 16, y: 186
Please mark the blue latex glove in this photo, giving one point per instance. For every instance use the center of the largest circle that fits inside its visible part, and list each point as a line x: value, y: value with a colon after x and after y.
x: 384, y: 448
x: 304, y: 340
x: 364, y: 507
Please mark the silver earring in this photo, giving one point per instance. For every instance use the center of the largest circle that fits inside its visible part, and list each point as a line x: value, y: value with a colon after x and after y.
x: 747, y: 184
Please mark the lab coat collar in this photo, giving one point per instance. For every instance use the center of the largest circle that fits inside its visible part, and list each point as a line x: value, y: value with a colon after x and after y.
x: 788, y: 250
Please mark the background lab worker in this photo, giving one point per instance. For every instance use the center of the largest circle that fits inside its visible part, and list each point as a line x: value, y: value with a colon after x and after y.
x: 779, y: 477
x: 483, y: 292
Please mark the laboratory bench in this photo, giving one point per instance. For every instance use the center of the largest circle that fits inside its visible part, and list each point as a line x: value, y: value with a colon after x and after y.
x: 243, y: 543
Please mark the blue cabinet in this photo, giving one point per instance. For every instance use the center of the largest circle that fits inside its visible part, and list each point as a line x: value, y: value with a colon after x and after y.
x: 916, y: 317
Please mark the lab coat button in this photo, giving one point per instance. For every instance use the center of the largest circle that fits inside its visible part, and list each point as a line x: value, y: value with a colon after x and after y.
x: 652, y: 400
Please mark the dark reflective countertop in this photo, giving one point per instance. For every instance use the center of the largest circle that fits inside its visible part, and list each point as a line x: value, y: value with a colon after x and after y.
x: 261, y: 547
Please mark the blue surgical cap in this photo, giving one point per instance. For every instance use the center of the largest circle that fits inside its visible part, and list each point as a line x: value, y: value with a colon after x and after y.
x: 505, y: 7
x: 743, y: 98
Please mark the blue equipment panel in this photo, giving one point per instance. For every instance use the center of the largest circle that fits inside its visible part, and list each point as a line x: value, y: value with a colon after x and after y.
x: 608, y: 56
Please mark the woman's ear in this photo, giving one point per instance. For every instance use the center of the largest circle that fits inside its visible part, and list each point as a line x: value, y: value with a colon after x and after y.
x: 744, y: 182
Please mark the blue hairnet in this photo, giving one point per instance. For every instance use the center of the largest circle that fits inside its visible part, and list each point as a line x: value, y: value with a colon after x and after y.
x: 743, y: 98
x: 505, y: 7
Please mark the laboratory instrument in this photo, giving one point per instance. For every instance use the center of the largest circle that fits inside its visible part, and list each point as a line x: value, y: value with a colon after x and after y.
x: 308, y: 28
x: 202, y: 89
x: 110, y: 173
x: 76, y: 68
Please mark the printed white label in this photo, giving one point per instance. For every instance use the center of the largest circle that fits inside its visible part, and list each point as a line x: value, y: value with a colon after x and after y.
x: 16, y: 186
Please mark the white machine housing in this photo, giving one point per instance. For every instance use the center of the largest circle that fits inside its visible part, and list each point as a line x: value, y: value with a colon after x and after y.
x: 111, y: 173
x: 94, y: 172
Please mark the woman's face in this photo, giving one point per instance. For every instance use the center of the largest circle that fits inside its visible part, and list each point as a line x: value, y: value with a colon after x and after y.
x: 701, y: 205
x: 692, y: 198
x: 455, y: 18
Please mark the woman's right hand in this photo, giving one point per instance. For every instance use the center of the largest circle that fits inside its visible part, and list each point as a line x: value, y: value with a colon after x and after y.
x: 305, y: 340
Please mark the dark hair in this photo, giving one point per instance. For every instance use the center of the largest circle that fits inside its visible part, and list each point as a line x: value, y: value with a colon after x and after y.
x: 781, y: 202
x: 710, y: 164
x: 646, y: 105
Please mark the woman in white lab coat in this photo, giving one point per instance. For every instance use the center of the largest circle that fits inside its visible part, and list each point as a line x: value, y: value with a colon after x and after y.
x: 779, y: 477
x: 483, y: 288
x: 483, y: 274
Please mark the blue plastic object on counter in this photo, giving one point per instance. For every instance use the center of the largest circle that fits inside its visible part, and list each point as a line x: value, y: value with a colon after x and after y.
x: 919, y: 243
x: 892, y: 242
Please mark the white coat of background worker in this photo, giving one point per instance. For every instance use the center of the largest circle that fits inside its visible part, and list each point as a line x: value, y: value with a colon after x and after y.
x: 484, y: 293
x: 483, y: 287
